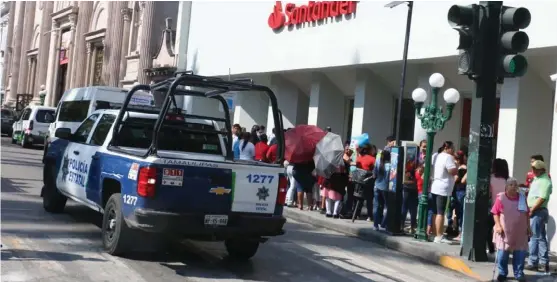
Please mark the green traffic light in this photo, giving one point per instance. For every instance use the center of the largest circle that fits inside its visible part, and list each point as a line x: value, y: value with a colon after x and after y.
x: 515, y: 65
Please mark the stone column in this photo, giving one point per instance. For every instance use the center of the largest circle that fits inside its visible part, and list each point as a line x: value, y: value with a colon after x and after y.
x: 145, y: 47
x: 107, y: 45
x: 126, y: 14
x: 42, y: 57
x: 117, y: 30
x: 9, y: 40
x: 86, y: 78
x: 52, y: 63
x: 26, y: 41
x: 83, y: 21
x: 71, y: 51
x: 16, y: 54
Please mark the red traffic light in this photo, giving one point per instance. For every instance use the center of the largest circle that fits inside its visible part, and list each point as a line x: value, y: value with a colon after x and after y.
x: 515, y: 18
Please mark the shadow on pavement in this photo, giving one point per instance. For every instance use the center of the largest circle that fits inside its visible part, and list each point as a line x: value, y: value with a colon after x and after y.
x: 22, y: 163
x: 19, y: 185
x: 26, y: 255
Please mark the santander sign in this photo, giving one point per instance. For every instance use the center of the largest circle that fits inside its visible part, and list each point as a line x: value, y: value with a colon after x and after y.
x: 313, y: 11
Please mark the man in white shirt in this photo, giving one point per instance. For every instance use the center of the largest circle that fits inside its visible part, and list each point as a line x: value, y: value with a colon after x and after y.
x: 444, y: 170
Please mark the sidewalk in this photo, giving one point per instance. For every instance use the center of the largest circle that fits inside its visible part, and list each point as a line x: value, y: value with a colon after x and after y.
x: 441, y: 254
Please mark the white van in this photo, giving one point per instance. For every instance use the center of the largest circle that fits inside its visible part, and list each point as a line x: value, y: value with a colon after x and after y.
x: 32, y: 126
x: 78, y: 103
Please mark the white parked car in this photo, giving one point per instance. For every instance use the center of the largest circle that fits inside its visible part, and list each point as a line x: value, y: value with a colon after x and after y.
x: 32, y: 126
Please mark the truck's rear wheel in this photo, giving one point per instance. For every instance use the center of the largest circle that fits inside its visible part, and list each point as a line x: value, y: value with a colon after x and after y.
x: 116, y: 234
x: 241, y: 249
x: 53, y: 200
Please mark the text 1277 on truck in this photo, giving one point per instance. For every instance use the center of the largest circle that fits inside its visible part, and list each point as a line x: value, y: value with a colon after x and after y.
x: 163, y: 175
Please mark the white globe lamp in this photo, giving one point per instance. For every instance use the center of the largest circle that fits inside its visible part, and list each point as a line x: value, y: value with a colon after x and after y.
x: 419, y: 95
x: 436, y: 80
x: 451, y: 96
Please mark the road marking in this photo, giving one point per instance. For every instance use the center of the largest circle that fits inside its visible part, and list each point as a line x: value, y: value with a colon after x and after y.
x: 458, y: 265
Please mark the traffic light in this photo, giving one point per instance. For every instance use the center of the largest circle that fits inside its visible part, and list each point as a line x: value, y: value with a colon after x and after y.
x: 464, y: 19
x: 513, y: 41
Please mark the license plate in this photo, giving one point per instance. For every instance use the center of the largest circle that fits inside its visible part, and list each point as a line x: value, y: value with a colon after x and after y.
x: 216, y: 220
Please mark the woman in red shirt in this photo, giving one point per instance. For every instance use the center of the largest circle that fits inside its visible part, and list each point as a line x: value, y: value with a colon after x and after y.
x: 261, y: 149
x: 366, y: 161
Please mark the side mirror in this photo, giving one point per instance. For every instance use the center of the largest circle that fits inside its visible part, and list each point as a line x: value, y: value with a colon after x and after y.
x: 63, y: 133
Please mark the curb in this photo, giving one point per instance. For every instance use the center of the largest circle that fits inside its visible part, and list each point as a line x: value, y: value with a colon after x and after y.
x: 448, y: 260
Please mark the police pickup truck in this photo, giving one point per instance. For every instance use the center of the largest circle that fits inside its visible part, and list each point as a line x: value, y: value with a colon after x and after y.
x: 159, y: 173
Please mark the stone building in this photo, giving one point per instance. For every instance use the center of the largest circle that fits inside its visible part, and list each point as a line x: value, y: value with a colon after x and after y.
x: 4, y: 14
x: 68, y: 44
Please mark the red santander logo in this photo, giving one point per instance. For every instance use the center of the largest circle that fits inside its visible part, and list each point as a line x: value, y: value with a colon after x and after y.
x: 313, y: 11
x: 277, y: 18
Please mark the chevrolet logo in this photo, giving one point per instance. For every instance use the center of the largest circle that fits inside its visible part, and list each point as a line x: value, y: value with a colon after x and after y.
x: 220, y: 191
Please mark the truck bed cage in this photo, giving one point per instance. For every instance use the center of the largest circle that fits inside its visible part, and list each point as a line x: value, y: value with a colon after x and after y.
x: 205, y: 87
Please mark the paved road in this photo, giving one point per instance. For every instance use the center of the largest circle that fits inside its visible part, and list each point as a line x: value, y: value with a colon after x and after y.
x: 43, y: 247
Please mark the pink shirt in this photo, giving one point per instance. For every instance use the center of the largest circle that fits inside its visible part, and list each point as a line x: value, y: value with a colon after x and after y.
x: 497, y: 208
x: 497, y: 185
x: 513, y: 222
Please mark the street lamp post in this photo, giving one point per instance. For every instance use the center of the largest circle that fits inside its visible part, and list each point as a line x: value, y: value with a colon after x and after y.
x: 404, y: 61
x: 433, y: 119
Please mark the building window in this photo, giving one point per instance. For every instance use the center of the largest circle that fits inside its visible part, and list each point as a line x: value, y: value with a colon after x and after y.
x: 407, y: 120
x: 98, y: 65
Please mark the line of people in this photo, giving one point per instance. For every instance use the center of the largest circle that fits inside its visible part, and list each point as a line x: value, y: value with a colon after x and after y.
x: 254, y: 145
x: 519, y: 210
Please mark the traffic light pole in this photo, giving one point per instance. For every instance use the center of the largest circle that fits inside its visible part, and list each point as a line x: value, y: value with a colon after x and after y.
x: 475, y: 233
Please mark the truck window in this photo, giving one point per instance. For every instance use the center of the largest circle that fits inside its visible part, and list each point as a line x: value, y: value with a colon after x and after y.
x: 43, y: 114
x: 174, y: 136
x: 101, y: 131
x: 82, y: 132
x: 73, y: 111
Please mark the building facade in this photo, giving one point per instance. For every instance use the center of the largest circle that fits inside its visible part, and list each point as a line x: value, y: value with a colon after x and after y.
x: 338, y: 64
x: 66, y: 44
x: 4, y: 18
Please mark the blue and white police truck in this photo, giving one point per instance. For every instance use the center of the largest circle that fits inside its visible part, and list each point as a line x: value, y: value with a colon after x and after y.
x: 163, y: 173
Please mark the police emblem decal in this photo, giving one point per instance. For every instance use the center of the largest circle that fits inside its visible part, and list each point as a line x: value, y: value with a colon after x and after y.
x: 262, y: 193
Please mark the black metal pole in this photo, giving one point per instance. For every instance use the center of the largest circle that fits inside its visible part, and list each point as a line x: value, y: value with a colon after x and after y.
x: 404, y: 64
x: 475, y: 233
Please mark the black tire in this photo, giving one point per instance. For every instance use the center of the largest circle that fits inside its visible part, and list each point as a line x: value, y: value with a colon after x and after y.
x: 53, y: 200
x: 117, y: 238
x: 24, y: 142
x: 241, y: 249
x: 13, y: 140
x: 45, y: 149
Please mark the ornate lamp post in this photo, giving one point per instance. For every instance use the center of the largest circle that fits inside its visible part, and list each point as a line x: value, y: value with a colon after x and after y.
x: 433, y: 120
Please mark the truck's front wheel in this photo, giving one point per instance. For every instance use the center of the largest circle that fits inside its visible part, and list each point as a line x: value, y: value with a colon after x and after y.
x: 115, y: 232
x: 53, y: 200
x: 241, y: 249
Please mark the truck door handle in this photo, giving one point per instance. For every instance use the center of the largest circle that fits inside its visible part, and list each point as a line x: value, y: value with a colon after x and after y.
x: 95, y: 157
x: 76, y: 152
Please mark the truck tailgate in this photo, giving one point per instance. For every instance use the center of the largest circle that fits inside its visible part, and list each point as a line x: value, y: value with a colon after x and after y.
x: 218, y: 188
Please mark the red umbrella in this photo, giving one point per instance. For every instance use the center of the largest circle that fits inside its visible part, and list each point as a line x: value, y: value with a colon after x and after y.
x: 301, y: 142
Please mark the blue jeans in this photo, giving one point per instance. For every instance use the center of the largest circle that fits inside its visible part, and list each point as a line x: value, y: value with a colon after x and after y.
x: 460, y: 194
x: 518, y: 263
x: 538, y: 242
x: 430, y: 208
x: 379, y: 205
x: 409, y: 204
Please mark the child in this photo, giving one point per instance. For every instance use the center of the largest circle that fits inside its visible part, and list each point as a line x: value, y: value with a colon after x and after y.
x: 511, y: 231
x: 333, y: 189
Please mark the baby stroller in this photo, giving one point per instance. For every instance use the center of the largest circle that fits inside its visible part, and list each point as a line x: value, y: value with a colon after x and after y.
x: 362, y: 179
